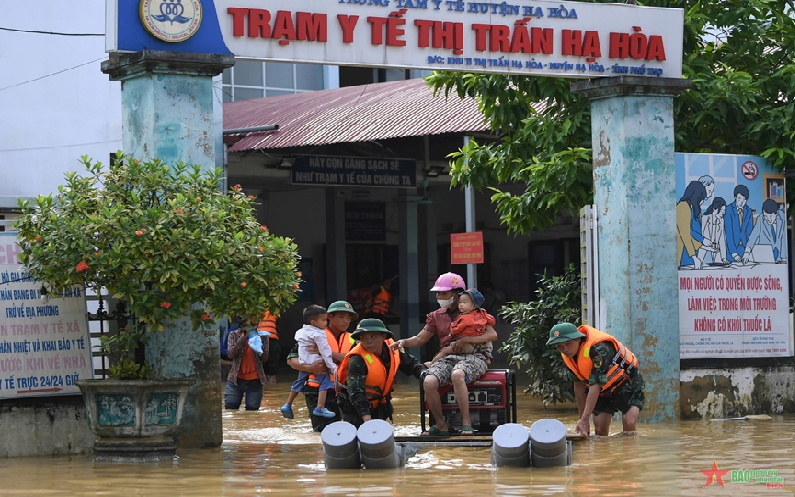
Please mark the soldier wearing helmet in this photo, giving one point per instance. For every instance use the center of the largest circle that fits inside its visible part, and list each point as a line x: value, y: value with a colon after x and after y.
x: 457, y: 368
x: 605, y: 374
x: 367, y: 374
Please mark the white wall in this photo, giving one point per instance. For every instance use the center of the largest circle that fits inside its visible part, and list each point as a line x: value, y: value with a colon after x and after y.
x: 55, y: 103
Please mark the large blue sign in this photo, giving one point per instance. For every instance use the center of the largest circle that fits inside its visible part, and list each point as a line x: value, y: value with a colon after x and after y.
x: 189, y: 26
x: 354, y: 171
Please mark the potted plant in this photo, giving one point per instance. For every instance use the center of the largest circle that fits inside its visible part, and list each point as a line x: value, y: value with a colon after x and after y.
x: 167, y: 242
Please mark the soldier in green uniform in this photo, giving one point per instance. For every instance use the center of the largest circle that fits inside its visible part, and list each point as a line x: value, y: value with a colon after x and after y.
x: 605, y: 374
x: 367, y: 374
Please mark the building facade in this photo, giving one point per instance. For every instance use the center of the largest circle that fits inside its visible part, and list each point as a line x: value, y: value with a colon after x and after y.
x: 59, y: 106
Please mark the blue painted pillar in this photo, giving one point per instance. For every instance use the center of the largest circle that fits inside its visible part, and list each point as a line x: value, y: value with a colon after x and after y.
x: 167, y: 113
x: 632, y: 131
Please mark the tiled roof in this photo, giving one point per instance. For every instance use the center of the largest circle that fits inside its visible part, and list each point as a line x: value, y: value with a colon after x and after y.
x: 352, y: 114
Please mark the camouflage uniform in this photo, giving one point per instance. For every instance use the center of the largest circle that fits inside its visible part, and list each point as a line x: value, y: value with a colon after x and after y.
x: 352, y: 399
x: 629, y: 394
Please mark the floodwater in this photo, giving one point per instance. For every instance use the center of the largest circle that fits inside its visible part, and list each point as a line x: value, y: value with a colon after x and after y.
x: 264, y: 454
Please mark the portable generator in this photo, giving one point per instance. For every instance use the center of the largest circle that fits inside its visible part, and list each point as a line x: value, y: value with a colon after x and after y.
x: 492, y: 402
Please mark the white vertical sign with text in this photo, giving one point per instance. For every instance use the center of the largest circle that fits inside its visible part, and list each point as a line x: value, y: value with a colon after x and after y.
x: 44, y: 342
x: 733, y: 266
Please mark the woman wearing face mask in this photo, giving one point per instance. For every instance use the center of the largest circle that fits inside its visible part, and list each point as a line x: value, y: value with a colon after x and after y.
x: 458, y: 369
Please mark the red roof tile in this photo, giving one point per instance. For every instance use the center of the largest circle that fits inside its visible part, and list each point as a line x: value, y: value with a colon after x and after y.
x: 352, y: 114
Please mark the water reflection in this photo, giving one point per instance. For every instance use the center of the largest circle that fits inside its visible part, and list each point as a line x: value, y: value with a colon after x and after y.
x: 264, y: 453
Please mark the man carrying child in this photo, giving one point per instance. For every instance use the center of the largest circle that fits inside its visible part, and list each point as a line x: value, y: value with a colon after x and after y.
x: 313, y: 346
x: 248, y: 350
x: 340, y: 316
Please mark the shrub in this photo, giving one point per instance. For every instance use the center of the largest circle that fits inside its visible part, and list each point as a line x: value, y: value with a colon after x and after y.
x: 163, y: 239
x: 558, y: 300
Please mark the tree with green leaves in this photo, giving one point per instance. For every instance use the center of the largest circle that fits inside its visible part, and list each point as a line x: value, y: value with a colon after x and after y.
x: 738, y: 55
x: 557, y: 300
x: 164, y: 240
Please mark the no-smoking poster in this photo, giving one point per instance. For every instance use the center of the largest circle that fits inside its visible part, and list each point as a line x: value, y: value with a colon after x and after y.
x: 732, y: 257
x: 749, y: 170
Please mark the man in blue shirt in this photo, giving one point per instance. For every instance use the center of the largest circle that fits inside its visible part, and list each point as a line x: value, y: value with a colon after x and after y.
x: 739, y: 223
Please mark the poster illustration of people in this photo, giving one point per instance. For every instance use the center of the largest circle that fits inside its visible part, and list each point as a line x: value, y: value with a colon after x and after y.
x: 732, y: 246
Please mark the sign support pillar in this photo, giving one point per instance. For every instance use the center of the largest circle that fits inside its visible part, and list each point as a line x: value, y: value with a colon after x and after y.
x: 469, y: 212
x: 632, y: 131
x: 408, y: 277
x: 167, y: 113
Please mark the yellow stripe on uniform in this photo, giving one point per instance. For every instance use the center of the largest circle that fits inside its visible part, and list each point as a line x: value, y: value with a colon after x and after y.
x: 368, y: 358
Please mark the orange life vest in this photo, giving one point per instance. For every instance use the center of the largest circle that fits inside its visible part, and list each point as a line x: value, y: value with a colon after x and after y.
x: 620, y: 367
x: 268, y: 323
x: 341, y: 345
x: 379, y: 382
x: 378, y: 304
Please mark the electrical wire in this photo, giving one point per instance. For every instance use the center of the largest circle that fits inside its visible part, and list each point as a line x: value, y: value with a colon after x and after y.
x: 52, y: 74
x: 71, y: 145
x: 54, y: 33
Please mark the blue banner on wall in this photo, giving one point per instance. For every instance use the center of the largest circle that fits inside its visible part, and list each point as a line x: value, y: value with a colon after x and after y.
x: 354, y: 171
x: 196, y: 30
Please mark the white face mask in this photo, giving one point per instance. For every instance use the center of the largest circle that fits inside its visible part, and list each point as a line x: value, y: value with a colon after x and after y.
x: 445, y: 304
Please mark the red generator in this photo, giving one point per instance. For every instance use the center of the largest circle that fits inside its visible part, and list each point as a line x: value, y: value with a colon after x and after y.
x: 492, y: 402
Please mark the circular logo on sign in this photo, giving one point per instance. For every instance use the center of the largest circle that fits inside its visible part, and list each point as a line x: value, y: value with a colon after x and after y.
x: 171, y: 20
x: 750, y: 170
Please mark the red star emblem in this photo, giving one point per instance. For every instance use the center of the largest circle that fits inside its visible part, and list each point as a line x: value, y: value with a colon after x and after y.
x: 714, y: 474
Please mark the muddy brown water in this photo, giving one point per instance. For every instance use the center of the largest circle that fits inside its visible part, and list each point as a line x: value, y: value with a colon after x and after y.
x: 265, y: 454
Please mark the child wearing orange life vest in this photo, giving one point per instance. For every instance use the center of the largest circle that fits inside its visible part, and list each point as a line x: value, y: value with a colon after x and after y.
x: 313, y: 335
x: 471, y: 321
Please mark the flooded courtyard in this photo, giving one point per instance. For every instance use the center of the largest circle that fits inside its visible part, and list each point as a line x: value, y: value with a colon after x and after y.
x: 265, y: 454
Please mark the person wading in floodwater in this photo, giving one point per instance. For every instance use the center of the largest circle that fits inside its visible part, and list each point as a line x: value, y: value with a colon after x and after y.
x: 606, y: 377
x: 340, y: 316
x: 367, y: 374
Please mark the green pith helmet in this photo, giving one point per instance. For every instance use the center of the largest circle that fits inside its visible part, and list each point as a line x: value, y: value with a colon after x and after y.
x: 342, y: 306
x: 371, y: 325
x: 563, y: 332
